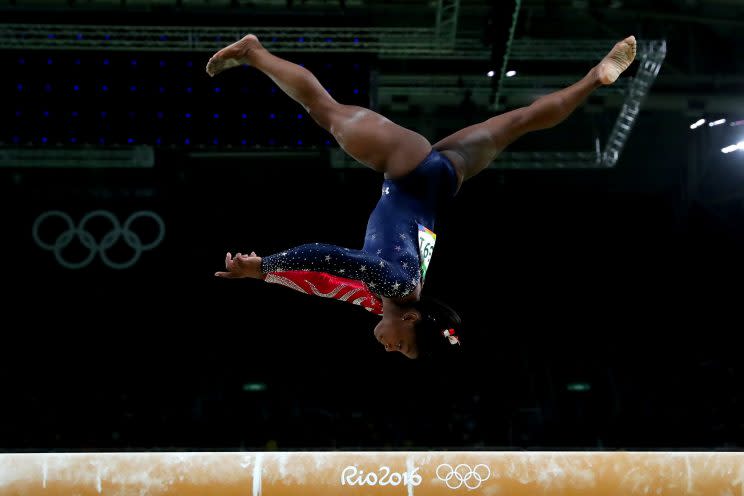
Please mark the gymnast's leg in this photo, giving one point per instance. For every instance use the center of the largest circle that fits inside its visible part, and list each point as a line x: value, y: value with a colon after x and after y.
x: 367, y: 136
x: 472, y: 149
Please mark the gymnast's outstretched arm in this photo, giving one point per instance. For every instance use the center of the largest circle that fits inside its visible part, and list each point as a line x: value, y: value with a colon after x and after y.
x: 329, y: 271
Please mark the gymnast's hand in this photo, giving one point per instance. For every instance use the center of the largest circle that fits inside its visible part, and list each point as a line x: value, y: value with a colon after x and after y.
x: 242, y: 266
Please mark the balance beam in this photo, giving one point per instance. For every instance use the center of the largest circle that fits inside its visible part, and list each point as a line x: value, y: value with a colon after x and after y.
x: 371, y: 474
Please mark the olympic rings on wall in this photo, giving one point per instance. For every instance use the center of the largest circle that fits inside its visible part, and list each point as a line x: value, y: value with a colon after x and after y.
x: 94, y: 246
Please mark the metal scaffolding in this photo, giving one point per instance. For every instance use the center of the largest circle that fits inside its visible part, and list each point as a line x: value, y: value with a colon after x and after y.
x: 507, y: 160
x: 445, y: 28
x: 651, y: 58
x: 553, y: 49
x: 507, y: 51
x: 386, y: 42
x: 95, y: 157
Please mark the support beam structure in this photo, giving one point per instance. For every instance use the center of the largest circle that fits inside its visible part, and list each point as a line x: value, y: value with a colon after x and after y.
x: 651, y: 57
x: 507, y: 52
x: 371, y: 474
x: 86, y: 157
x: 386, y: 42
x: 445, y: 27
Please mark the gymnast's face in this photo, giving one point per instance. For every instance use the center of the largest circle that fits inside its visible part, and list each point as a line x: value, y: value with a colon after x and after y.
x: 398, y: 333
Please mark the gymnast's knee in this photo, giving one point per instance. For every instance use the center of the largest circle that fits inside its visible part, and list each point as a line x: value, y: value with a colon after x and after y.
x: 324, y: 111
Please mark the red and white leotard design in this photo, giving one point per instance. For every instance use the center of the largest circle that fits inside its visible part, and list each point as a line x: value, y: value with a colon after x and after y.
x: 328, y: 286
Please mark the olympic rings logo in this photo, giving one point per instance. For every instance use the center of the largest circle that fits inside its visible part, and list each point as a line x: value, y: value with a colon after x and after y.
x: 463, y: 474
x: 94, y: 246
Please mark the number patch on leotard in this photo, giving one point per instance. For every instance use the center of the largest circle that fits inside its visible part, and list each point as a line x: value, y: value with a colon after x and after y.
x: 427, y: 239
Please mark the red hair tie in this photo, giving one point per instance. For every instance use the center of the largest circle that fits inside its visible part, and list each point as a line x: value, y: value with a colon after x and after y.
x: 450, y: 335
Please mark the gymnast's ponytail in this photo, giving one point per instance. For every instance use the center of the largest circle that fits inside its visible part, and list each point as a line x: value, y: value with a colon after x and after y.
x: 439, y: 330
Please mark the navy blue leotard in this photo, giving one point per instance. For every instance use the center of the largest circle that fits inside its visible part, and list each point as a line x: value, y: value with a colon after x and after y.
x: 388, y: 264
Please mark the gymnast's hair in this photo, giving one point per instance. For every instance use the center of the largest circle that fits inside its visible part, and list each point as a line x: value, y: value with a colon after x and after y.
x: 438, y: 332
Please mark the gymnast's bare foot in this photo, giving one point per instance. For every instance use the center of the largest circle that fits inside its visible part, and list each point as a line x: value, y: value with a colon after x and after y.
x: 234, y: 55
x: 619, y: 59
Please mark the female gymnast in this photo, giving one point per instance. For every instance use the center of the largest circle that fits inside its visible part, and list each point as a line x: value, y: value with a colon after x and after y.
x: 387, y: 274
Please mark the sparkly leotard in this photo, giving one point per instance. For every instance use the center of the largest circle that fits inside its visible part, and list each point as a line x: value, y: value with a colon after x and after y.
x: 389, y: 263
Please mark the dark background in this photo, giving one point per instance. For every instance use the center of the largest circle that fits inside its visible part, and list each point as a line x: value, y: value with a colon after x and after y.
x: 602, y: 307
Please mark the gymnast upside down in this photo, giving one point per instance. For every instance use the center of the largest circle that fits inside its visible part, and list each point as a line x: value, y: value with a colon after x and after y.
x: 387, y: 274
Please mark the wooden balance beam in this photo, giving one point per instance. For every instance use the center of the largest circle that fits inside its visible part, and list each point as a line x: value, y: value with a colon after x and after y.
x: 372, y: 474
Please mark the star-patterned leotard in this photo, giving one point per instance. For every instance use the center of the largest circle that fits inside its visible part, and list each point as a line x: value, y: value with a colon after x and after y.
x: 389, y: 263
